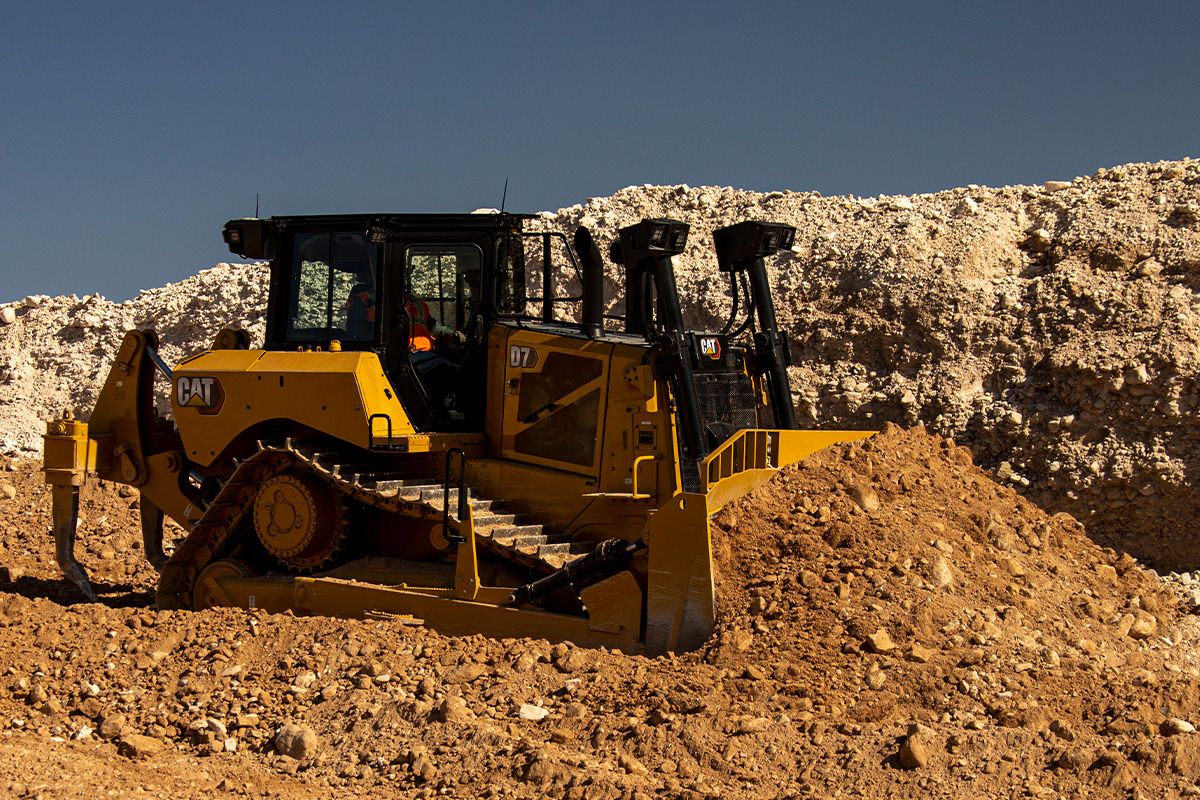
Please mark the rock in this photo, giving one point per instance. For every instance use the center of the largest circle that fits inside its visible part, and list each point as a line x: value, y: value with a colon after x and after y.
x: 8, y: 315
x: 1137, y: 375
x: 1056, y: 186
x: 424, y: 768
x: 1144, y: 625
x: 133, y: 745
x: 1038, y: 241
x: 9, y: 574
x: 8, y: 491
x: 1147, y: 269
x: 753, y: 672
x: 919, y: 654
x: 454, y: 709
x: 753, y: 725
x: 465, y: 674
x: 296, y: 741
x: 112, y: 726
x: 1186, y: 213
x: 1176, y: 726
x: 741, y: 640
x: 631, y: 765
x: 966, y: 207
x: 305, y: 680
x: 881, y: 642
x: 865, y: 497
x: 940, y: 574
x: 913, y: 753
x: 1075, y: 759
x: 532, y: 713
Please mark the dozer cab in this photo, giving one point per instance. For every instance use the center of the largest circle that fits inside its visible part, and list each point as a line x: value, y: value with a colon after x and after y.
x: 444, y: 426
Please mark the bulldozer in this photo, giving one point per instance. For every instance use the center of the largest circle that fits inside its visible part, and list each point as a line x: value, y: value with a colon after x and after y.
x: 447, y: 425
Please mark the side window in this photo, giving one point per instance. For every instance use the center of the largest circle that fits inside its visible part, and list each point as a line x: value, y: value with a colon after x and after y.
x: 443, y: 284
x: 333, y: 288
x: 510, y: 275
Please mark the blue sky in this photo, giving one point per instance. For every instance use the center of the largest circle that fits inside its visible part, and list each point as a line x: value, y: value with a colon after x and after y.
x: 130, y: 132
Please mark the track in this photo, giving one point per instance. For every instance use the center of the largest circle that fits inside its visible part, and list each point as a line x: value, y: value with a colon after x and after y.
x: 501, y: 535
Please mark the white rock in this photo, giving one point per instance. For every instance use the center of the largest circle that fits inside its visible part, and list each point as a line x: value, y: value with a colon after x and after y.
x: 532, y: 713
x: 1175, y: 726
x: 8, y: 315
x: 967, y: 207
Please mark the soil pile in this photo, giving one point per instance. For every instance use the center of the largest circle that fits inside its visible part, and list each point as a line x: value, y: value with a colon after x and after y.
x: 892, y: 622
x: 1053, y: 329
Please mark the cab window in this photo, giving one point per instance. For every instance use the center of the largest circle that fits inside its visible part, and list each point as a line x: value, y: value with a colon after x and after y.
x: 445, y: 281
x: 332, y: 295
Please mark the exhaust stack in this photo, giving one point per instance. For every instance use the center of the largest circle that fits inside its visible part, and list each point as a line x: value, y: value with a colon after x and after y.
x: 740, y: 249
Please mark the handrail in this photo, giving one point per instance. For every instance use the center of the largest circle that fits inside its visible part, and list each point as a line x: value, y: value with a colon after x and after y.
x: 454, y: 538
x: 371, y: 429
x: 746, y: 450
x: 637, y: 462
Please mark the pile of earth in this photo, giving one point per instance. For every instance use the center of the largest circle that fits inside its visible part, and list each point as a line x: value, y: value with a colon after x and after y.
x: 1053, y: 329
x: 891, y: 623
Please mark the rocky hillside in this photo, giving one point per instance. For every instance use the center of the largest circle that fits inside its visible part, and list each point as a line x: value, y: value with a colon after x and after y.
x: 1053, y: 329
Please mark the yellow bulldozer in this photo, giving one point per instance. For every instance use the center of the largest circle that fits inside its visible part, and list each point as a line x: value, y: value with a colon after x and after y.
x: 445, y: 426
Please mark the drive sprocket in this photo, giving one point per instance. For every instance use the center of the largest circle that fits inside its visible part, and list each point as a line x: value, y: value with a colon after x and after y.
x: 301, y: 520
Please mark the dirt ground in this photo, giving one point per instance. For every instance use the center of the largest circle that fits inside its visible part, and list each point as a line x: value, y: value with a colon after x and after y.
x: 892, y: 623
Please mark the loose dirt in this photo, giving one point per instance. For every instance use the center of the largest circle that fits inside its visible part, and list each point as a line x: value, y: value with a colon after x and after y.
x: 892, y: 623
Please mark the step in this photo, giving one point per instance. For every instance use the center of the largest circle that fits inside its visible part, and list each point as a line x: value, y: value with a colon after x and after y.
x: 515, y: 534
x: 565, y: 548
x: 560, y: 560
x: 493, y: 520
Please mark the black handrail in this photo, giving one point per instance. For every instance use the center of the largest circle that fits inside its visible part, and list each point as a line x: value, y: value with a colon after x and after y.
x: 371, y: 430
x: 454, y: 538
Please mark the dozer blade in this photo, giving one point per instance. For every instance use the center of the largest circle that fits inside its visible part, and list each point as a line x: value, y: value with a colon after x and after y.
x: 750, y: 458
x: 65, y: 508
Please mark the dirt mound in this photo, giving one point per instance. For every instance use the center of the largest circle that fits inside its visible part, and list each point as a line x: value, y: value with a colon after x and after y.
x: 891, y: 622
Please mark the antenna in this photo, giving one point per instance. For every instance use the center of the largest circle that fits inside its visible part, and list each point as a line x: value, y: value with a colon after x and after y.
x: 256, y: 205
x: 504, y: 196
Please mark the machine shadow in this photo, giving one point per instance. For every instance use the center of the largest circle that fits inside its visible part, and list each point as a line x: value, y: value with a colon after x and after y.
x: 63, y: 593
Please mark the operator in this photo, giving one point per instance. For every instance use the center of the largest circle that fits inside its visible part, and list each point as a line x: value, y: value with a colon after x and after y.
x: 360, y: 309
x: 436, y: 372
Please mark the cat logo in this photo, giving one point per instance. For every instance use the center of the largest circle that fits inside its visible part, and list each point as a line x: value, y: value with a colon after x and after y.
x: 203, y: 394
x: 710, y: 346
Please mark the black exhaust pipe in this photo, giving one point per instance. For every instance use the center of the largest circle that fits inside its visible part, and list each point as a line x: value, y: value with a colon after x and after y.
x: 646, y: 250
x: 593, y: 283
x: 740, y: 248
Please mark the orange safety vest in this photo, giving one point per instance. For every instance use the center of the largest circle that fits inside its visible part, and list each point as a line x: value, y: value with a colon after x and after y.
x: 420, y: 339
